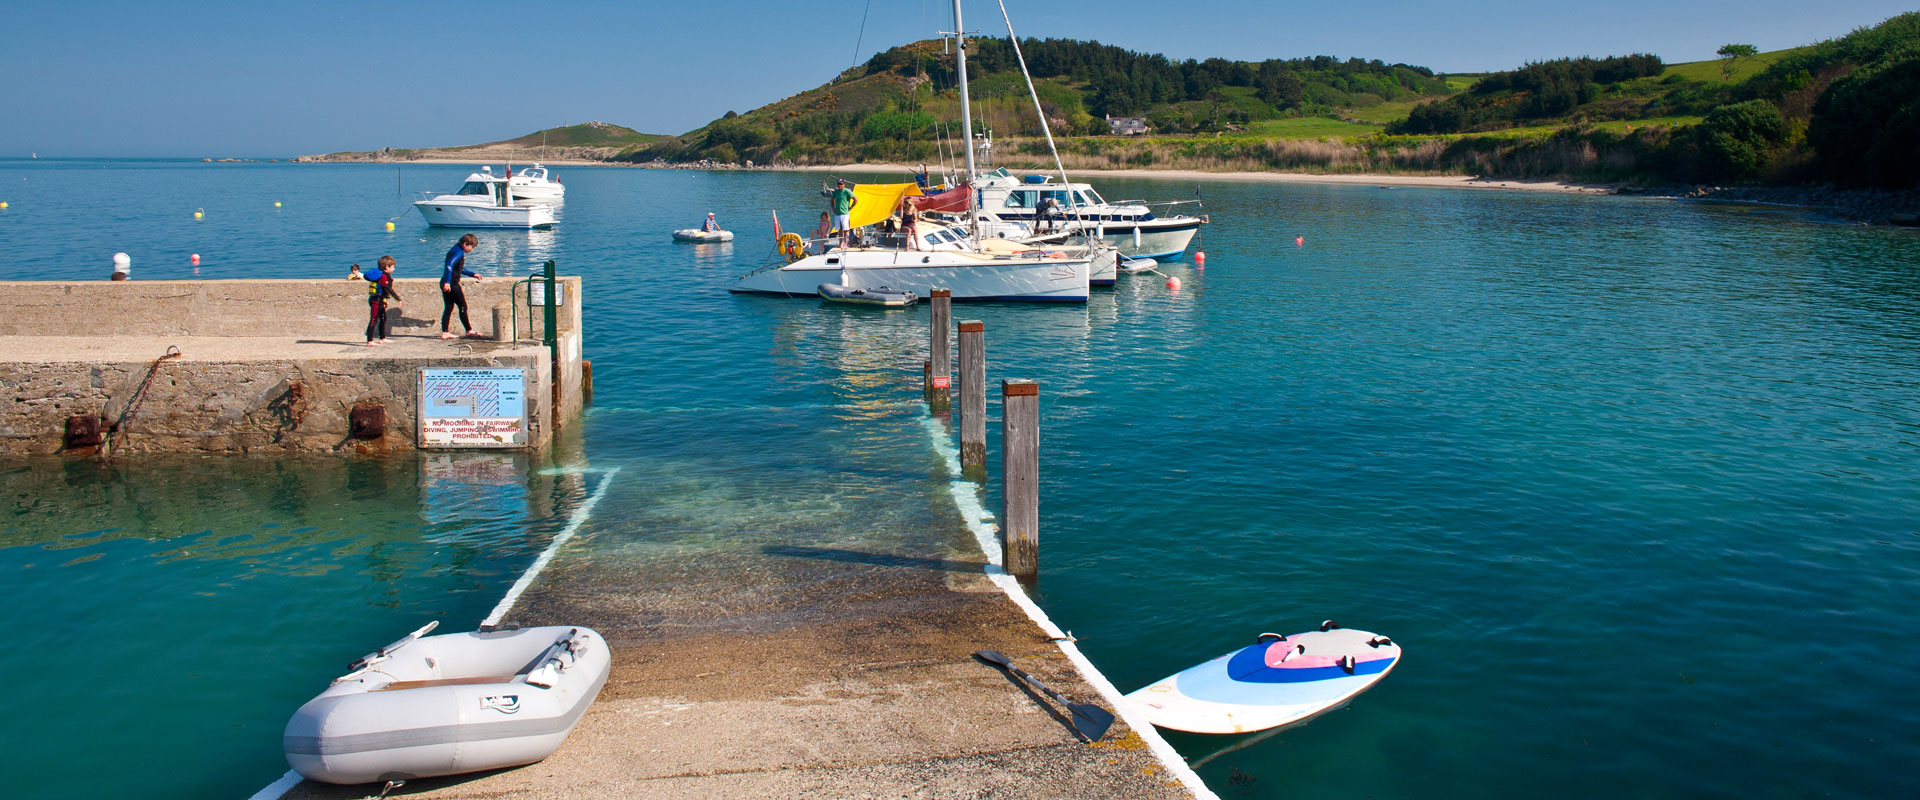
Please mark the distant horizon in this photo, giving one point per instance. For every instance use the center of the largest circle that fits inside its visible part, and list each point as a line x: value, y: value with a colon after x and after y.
x: 228, y: 79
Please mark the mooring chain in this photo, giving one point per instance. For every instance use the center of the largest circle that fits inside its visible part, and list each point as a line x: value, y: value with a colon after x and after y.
x: 133, y: 404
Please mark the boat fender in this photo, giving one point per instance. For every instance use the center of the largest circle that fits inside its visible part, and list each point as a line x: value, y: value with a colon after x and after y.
x: 1346, y: 663
x: 1376, y: 641
x: 1276, y: 637
x: 1328, y: 625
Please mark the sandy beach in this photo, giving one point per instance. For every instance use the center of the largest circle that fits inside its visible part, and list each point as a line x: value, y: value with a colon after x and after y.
x: 1431, y: 181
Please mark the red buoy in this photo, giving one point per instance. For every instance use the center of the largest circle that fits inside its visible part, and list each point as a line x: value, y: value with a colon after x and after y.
x: 1173, y: 283
x: 195, y: 259
x: 1299, y: 241
x: 1200, y: 258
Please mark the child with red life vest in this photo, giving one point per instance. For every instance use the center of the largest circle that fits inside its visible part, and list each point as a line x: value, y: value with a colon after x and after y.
x: 379, y: 291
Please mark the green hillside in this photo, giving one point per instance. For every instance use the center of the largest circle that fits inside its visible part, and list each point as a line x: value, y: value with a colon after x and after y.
x: 903, y: 103
x: 586, y: 134
x: 1846, y: 111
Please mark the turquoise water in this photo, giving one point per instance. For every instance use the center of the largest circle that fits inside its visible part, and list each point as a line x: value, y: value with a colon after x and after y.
x: 1634, y: 481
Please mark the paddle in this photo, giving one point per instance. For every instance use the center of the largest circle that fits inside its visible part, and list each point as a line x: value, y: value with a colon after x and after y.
x: 1089, y: 721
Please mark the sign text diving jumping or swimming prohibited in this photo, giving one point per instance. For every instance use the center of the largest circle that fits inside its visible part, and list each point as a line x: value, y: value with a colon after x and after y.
x: 473, y: 408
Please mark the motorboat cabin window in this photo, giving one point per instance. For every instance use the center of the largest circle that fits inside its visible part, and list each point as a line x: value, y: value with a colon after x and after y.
x: 1058, y: 196
x: 476, y: 187
x: 1079, y: 199
x: 1020, y: 199
x: 1096, y: 198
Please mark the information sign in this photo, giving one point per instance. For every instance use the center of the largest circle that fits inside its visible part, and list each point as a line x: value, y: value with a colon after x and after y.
x: 473, y: 408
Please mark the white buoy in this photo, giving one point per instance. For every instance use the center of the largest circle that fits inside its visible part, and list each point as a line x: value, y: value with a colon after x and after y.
x: 122, y: 265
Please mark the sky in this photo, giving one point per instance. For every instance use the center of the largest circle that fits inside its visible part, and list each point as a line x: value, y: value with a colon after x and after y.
x: 275, y: 79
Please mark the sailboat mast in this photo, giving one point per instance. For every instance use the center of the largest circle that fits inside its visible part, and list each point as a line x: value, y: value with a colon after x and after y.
x: 966, y: 107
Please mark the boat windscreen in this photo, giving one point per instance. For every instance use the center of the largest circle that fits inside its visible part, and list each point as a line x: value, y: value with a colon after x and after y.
x: 475, y: 187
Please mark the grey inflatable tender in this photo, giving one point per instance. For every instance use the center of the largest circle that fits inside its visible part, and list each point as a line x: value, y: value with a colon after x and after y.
x: 878, y: 296
x: 443, y: 705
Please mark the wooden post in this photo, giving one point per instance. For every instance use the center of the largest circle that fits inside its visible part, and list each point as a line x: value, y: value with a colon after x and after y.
x: 973, y: 395
x: 1020, y: 477
x: 939, y: 385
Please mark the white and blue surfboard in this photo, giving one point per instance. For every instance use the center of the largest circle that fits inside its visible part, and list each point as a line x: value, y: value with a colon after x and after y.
x: 1279, y: 680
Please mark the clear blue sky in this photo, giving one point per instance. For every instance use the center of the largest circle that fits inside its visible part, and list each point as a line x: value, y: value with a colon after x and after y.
x: 92, y: 77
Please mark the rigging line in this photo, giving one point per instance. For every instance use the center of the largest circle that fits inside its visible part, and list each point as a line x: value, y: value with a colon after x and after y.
x: 863, y: 33
x: 1039, y: 112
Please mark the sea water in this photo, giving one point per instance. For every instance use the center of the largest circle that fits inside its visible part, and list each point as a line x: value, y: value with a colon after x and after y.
x: 1633, y: 481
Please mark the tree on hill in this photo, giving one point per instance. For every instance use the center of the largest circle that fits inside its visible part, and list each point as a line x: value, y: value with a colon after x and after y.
x: 1733, y: 53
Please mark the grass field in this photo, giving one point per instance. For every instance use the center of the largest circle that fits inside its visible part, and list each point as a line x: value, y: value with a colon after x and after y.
x: 1712, y: 72
x: 1461, y: 83
x: 1305, y: 128
x: 1383, y: 113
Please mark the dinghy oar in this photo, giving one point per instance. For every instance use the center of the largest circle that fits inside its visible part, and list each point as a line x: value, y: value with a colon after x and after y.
x: 1089, y: 721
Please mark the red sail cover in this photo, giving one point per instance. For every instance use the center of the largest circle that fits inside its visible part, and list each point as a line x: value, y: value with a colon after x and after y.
x: 953, y: 200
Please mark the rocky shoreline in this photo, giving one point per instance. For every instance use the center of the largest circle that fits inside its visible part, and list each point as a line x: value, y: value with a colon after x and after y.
x: 1872, y: 206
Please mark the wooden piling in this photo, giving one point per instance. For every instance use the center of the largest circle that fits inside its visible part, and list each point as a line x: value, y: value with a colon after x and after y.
x: 973, y: 395
x: 939, y: 384
x: 1020, y: 477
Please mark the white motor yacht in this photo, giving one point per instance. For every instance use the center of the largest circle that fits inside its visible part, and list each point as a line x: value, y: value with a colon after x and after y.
x: 484, y: 201
x: 533, y: 183
x: 1132, y: 227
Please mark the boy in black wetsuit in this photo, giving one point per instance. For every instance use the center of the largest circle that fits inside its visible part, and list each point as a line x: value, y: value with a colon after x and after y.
x: 379, y: 291
x: 450, y: 294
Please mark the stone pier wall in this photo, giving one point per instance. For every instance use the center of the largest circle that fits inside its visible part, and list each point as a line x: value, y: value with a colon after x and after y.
x: 266, y: 365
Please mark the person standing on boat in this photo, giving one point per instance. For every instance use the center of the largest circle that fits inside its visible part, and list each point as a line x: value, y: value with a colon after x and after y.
x: 823, y: 231
x: 451, y: 296
x: 711, y: 224
x: 843, y: 203
x: 910, y: 224
x: 379, y: 291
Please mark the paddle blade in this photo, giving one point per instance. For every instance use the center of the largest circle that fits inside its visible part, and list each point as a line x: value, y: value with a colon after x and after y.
x: 1091, y: 721
x: 993, y: 657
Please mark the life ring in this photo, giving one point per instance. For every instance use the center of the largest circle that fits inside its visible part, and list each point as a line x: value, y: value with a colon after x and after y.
x: 791, y: 246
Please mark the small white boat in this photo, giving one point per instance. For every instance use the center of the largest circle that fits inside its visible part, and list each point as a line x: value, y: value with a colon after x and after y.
x: 698, y: 236
x: 877, y: 296
x: 533, y: 183
x: 482, y: 202
x: 444, y: 705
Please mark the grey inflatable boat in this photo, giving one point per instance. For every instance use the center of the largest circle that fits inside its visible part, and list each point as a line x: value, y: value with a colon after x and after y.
x: 880, y: 296
x: 443, y: 705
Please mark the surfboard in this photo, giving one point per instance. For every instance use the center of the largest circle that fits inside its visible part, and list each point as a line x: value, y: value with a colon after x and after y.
x: 1278, y: 680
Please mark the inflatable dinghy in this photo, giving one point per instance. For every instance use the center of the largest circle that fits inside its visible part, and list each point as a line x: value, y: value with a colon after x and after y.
x: 698, y: 236
x: 443, y: 705
x: 881, y: 296
x: 1278, y: 680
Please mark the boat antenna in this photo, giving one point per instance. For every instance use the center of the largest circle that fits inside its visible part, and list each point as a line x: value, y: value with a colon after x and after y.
x: 1039, y: 112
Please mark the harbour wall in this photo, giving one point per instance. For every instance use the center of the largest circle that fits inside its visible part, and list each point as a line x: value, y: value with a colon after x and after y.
x: 261, y: 365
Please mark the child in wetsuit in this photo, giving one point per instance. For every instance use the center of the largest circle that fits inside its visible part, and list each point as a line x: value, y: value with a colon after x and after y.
x: 451, y: 296
x: 379, y: 291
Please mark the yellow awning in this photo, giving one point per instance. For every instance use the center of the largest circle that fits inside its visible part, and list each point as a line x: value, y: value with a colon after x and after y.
x: 874, y: 202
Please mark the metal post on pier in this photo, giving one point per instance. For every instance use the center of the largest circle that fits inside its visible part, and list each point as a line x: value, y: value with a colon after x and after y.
x: 1020, y: 477
x: 939, y: 385
x: 973, y: 396
x: 550, y: 335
